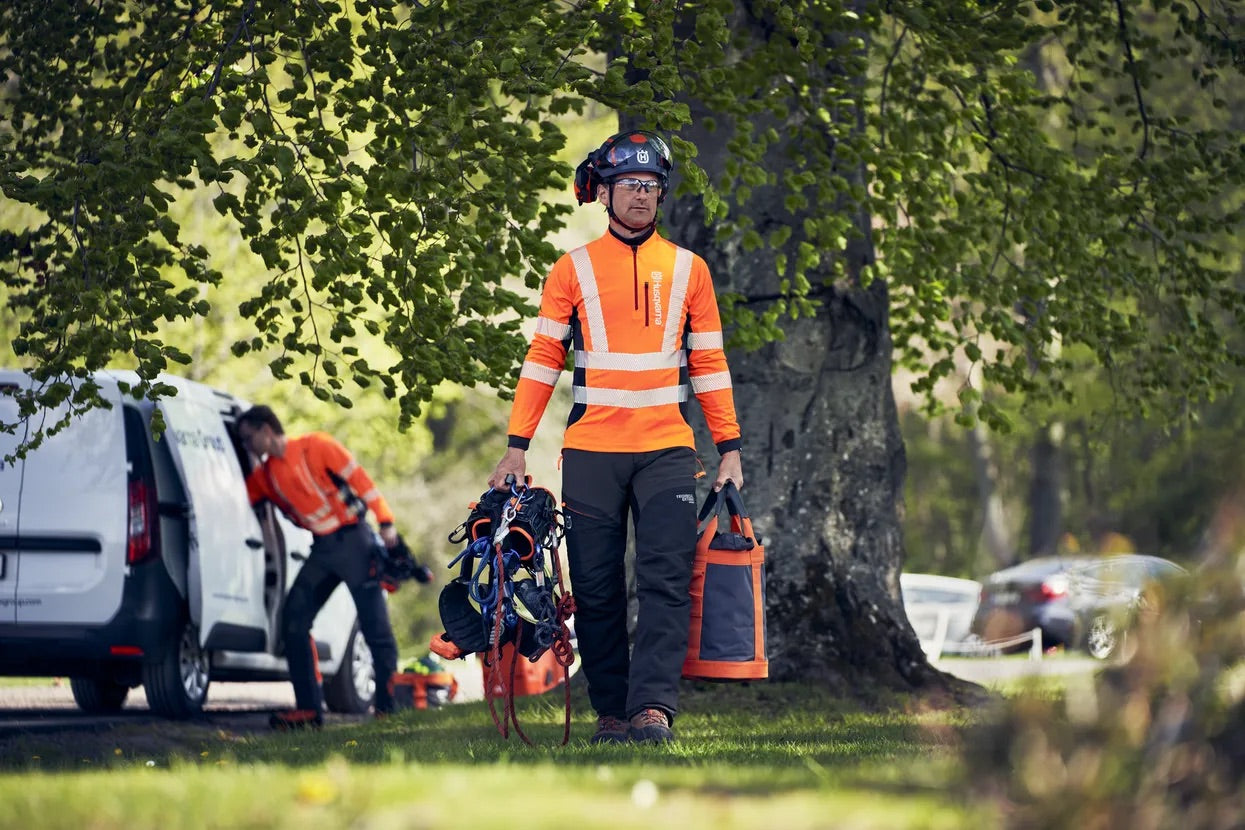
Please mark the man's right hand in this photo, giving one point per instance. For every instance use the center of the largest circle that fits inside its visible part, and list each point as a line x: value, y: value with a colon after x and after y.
x: 513, y: 463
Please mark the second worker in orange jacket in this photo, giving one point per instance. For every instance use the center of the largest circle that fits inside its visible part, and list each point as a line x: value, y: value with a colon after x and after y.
x: 318, y: 484
x: 641, y: 316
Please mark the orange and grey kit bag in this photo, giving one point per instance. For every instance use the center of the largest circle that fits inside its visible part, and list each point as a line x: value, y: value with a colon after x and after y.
x: 726, y: 640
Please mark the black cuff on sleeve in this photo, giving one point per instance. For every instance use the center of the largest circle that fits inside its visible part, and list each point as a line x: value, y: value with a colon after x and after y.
x: 384, y: 525
x: 519, y: 442
x: 726, y: 446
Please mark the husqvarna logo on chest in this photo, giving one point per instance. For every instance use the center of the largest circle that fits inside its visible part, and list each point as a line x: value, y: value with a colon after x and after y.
x: 642, y: 156
x: 655, y: 279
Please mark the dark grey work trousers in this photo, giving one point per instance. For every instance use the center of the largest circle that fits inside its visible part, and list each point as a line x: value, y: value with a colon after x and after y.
x: 342, y: 556
x: 599, y: 491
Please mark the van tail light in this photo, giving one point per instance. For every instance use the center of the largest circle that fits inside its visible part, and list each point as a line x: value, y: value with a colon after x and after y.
x: 138, y: 521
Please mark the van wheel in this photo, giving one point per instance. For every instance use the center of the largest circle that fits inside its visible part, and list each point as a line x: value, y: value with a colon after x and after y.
x: 351, y: 690
x: 177, y: 685
x: 98, y: 695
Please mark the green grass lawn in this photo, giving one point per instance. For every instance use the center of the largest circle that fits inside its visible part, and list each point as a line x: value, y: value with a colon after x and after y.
x: 758, y: 756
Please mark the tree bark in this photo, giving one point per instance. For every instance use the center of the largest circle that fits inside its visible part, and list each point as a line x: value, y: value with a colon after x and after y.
x: 1046, y: 492
x: 823, y: 456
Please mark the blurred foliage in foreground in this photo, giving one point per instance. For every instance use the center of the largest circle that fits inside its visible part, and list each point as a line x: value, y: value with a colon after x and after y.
x: 1156, y: 742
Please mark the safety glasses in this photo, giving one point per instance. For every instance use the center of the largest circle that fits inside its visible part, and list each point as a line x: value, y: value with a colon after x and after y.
x: 636, y: 185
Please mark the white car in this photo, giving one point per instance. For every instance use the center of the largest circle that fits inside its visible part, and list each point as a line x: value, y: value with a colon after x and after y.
x: 128, y: 560
x: 940, y: 608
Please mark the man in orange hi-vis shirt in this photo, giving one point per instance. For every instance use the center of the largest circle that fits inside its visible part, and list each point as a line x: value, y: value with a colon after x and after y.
x: 319, y: 486
x: 641, y: 315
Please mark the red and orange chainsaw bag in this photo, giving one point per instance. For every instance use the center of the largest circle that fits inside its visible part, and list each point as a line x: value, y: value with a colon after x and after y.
x: 412, y: 690
x: 726, y: 640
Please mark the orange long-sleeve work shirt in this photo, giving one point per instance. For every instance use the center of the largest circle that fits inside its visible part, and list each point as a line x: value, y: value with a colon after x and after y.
x: 301, y: 483
x: 644, y: 325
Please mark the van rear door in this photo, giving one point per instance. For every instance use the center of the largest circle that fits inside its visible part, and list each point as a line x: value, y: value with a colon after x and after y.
x: 10, y: 489
x: 70, y: 501
x: 226, y: 562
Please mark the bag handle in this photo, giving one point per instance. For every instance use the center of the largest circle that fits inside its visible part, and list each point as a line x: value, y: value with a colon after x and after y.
x: 730, y: 495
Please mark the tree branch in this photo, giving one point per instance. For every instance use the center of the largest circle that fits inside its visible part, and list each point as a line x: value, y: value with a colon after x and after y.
x: 220, y: 64
x: 886, y: 76
x: 1132, y: 67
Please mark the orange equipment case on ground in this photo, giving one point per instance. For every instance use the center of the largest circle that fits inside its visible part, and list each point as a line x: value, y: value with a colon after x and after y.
x: 412, y: 690
x: 529, y: 678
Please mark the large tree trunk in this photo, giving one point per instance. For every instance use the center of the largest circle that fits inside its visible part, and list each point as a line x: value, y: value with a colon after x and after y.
x: 823, y: 457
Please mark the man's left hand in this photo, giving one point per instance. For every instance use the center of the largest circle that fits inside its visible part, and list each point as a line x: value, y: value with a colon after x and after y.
x: 389, y: 535
x: 732, y: 468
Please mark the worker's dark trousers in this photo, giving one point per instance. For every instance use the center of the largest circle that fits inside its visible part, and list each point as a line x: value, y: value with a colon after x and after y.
x: 599, y: 490
x: 343, y: 556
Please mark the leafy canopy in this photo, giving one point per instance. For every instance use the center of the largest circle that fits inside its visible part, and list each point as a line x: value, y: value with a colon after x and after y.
x: 1038, y: 180
x: 384, y: 160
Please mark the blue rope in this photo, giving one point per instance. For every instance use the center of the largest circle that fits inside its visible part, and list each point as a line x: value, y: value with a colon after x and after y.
x: 477, y: 548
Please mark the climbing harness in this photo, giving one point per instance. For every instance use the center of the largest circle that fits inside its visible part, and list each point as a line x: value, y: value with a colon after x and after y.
x: 509, y: 590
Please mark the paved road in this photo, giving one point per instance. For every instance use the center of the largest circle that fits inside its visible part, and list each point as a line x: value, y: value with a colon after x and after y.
x: 989, y: 671
x: 50, y: 706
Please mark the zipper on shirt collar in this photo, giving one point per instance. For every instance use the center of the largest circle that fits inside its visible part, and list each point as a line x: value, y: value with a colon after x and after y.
x: 634, y: 244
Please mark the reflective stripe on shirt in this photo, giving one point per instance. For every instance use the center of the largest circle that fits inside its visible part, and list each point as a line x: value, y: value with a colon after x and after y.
x: 552, y: 328
x: 627, y: 362
x: 704, y: 340
x: 678, y: 299
x: 629, y: 398
x: 711, y: 383
x: 541, y: 374
x: 592, y: 298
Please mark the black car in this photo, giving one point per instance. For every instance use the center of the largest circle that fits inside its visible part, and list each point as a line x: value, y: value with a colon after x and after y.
x: 1107, y: 595
x: 1033, y: 594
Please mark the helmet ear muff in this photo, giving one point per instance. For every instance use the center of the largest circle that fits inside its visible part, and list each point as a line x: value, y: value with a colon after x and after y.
x: 587, y: 179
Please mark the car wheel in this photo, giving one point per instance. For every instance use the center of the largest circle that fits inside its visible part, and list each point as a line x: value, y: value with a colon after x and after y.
x: 177, y: 685
x: 351, y: 690
x: 98, y: 695
x: 1102, y: 638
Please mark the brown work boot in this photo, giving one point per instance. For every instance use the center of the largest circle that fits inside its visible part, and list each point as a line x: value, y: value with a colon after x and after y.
x: 611, y: 730
x: 296, y: 719
x: 651, y: 726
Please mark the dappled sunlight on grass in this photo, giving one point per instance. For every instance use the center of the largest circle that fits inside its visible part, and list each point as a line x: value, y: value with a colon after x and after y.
x: 768, y: 755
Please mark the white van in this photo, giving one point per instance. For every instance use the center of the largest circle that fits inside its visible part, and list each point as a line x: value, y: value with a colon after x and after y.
x: 127, y: 560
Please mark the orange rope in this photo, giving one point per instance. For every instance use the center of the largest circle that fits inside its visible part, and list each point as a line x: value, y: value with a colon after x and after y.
x: 561, y: 647
x: 514, y: 663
